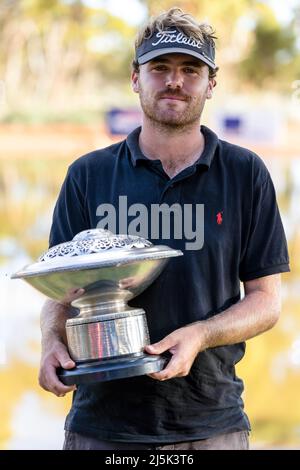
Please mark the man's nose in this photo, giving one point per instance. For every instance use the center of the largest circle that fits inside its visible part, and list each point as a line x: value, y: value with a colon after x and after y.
x: 174, y: 79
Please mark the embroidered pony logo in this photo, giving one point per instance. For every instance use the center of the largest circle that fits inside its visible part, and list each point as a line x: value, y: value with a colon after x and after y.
x: 219, y: 218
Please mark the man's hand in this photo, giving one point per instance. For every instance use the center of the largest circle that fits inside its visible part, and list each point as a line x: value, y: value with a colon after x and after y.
x: 184, y: 344
x: 55, y: 355
x: 54, y: 352
x: 256, y: 313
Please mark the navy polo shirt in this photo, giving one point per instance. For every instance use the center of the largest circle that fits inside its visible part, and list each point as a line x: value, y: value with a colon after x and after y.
x: 231, y: 192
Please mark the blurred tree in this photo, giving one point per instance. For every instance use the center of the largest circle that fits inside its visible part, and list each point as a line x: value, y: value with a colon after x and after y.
x: 267, y: 50
x: 62, y: 55
x: 272, y: 51
x: 222, y: 15
x: 54, y: 53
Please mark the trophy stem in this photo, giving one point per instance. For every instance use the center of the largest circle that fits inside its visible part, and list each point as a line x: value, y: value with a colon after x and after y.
x: 103, y: 308
x: 91, y: 305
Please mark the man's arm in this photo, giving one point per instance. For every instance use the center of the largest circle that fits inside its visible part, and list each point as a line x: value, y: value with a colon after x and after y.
x: 256, y: 313
x: 54, y: 351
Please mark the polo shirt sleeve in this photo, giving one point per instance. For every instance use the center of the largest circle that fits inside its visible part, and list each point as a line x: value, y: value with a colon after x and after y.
x: 69, y: 216
x: 265, y: 251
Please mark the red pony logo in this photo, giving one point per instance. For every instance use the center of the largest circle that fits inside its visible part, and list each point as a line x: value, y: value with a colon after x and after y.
x: 219, y: 218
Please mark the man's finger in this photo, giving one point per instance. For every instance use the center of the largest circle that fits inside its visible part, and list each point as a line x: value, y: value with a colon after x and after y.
x: 54, y: 385
x: 160, y: 346
x: 173, y: 369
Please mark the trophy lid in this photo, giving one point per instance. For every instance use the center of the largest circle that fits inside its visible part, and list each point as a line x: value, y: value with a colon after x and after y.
x: 96, y: 248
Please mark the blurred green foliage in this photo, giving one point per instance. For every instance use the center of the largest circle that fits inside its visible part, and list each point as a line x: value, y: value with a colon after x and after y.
x: 272, y: 53
x: 58, y: 56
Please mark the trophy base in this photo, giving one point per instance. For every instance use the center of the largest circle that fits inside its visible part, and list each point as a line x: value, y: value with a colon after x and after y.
x: 112, y: 369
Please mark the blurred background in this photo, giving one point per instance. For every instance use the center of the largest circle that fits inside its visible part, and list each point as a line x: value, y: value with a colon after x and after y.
x: 65, y: 90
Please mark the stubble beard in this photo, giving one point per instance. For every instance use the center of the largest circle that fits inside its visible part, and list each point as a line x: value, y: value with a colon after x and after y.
x: 171, y: 121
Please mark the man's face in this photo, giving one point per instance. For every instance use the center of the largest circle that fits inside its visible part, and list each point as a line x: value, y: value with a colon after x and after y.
x: 173, y: 89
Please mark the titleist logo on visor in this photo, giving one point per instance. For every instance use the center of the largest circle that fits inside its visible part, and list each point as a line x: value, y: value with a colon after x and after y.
x: 172, y: 36
x: 175, y: 41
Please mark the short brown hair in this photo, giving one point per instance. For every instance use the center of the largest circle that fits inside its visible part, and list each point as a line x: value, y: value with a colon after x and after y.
x: 185, y: 22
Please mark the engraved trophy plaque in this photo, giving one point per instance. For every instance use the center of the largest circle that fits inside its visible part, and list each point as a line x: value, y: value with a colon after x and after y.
x: 107, y: 338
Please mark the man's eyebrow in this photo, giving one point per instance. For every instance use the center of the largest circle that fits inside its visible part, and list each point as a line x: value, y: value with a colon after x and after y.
x: 194, y: 63
x: 159, y: 59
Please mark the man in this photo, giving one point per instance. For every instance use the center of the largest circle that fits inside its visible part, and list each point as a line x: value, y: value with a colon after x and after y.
x: 194, y: 309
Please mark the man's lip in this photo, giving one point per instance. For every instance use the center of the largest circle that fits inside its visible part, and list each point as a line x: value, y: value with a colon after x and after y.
x: 179, y: 98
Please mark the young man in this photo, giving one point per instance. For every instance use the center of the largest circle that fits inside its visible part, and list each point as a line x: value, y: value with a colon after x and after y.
x: 194, y: 309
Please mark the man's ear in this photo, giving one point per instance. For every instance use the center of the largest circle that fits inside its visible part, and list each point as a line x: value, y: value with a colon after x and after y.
x: 135, y: 81
x: 211, y: 84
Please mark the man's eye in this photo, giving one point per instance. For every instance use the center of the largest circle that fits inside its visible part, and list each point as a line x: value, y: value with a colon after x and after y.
x: 160, y: 68
x: 190, y: 70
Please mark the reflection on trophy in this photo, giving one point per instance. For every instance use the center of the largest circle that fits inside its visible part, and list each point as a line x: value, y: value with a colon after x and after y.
x: 107, y: 338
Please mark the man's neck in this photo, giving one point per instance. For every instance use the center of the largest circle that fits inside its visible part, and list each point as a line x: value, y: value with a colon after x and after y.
x: 177, y: 149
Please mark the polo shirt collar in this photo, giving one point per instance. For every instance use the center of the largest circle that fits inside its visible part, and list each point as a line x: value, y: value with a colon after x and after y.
x: 206, y: 158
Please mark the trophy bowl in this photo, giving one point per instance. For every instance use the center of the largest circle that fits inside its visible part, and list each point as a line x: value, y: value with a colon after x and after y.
x: 98, y: 272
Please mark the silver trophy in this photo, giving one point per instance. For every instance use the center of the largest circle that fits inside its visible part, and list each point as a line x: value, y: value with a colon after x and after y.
x: 107, y: 338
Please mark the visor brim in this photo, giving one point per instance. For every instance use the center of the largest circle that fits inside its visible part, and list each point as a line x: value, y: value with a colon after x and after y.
x: 143, y: 59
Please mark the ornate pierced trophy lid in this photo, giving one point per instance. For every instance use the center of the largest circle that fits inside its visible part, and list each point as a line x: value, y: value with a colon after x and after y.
x: 96, y: 248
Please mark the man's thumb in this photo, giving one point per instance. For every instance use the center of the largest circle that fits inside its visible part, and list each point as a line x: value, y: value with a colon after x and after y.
x: 65, y: 360
x: 159, y: 347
